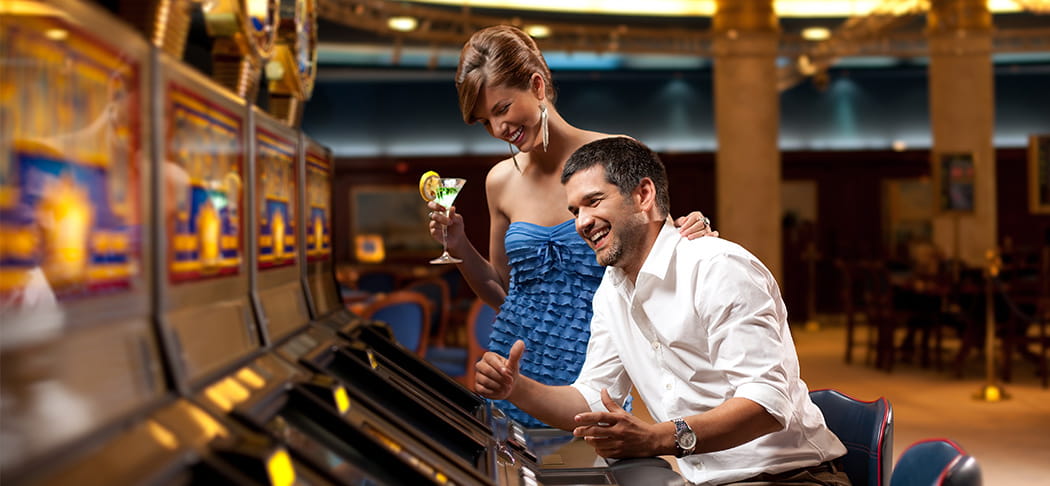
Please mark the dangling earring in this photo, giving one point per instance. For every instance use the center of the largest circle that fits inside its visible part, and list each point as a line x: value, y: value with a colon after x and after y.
x: 543, y: 126
x: 512, y: 157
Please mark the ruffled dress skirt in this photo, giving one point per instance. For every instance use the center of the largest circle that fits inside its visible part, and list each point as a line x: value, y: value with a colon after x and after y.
x: 552, y: 281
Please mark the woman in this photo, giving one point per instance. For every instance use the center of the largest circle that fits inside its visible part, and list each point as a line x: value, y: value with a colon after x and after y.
x: 540, y: 274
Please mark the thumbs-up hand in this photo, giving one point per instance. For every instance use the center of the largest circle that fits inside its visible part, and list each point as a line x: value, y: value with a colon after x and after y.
x: 495, y: 376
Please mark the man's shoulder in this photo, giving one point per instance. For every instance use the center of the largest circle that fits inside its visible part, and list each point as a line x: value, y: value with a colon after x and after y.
x: 709, y: 247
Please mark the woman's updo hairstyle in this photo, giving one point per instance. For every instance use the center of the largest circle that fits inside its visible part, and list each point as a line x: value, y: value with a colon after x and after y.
x: 502, y: 56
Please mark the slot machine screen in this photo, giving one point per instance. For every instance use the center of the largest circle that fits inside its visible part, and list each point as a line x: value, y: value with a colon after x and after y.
x: 203, y: 169
x: 318, y: 187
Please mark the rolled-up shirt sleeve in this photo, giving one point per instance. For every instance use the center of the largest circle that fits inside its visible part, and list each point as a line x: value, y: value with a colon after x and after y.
x: 746, y: 335
x: 602, y: 367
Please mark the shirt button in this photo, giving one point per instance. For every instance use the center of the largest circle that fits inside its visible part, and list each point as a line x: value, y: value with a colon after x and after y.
x: 667, y: 386
x: 656, y: 345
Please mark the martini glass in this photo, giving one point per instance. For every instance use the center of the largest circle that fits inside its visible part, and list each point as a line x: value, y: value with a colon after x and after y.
x: 446, y: 191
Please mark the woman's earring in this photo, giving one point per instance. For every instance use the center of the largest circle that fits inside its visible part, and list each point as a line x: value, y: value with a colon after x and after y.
x: 543, y: 126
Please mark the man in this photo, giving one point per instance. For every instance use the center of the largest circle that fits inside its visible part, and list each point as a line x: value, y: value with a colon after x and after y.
x: 698, y: 327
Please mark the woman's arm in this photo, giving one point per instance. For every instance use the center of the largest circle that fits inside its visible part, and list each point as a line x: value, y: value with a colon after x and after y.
x: 489, y: 279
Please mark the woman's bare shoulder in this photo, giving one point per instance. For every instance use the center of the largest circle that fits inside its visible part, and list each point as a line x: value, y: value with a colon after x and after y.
x: 500, y: 174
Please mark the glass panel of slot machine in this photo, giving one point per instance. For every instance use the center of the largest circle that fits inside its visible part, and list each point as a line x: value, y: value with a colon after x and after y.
x: 278, y: 292
x: 317, y: 170
x: 78, y: 351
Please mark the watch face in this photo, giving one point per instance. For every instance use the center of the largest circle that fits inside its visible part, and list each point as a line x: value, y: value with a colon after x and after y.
x: 688, y: 440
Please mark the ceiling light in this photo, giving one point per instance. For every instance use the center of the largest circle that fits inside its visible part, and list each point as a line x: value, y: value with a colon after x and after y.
x: 538, y: 31
x: 816, y: 33
x: 56, y: 34
x: 402, y: 24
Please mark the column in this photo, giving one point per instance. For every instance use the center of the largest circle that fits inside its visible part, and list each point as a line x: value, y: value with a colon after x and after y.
x: 747, y: 116
x: 962, y: 119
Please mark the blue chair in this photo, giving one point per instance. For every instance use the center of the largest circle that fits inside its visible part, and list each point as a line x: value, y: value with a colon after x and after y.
x: 936, y: 462
x: 376, y: 281
x: 436, y: 290
x: 866, y: 429
x: 408, y: 315
x: 459, y: 362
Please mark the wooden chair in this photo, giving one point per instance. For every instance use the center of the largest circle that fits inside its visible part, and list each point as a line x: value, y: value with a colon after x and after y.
x: 850, y: 291
x: 408, y: 315
x: 1026, y: 296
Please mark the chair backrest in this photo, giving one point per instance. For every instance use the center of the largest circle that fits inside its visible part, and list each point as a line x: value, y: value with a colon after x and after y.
x: 408, y: 315
x: 376, y: 281
x: 436, y: 290
x: 866, y: 429
x: 936, y: 462
x: 479, y: 327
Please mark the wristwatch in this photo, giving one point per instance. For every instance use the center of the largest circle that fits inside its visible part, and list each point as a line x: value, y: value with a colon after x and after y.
x: 684, y: 437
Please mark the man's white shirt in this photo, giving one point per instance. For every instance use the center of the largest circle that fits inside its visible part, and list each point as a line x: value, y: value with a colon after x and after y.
x: 704, y: 323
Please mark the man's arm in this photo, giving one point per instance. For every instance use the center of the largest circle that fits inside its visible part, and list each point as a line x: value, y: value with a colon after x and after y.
x: 497, y: 377
x: 618, y: 434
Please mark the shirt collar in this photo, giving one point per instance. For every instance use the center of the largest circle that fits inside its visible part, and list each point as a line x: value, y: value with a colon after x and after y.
x: 659, y: 257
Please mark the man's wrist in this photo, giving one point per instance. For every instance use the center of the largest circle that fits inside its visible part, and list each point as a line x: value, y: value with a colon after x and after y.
x: 684, y: 437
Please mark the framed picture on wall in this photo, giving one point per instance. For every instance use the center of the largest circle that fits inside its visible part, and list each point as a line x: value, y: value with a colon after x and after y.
x: 394, y: 218
x: 954, y: 177
x: 1039, y: 173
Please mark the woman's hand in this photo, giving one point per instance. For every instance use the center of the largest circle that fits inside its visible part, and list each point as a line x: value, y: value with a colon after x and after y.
x: 693, y: 226
x: 453, y: 221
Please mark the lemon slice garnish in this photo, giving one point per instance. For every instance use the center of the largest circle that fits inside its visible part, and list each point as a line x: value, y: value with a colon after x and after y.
x: 428, y: 185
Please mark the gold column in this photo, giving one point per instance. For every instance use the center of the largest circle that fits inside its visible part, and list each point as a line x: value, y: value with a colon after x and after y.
x: 962, y: 119
x: 747, y: 116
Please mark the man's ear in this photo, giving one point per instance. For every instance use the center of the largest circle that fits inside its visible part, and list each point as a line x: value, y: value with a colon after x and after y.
x: 645, y: 193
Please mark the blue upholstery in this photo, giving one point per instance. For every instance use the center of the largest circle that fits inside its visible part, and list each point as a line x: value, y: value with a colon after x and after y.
x: 866, y: 429
x: 459, y: 362
x: 376, y: 282
x: 936, y: 462
x: 408, y: 315
x: 436, y: 290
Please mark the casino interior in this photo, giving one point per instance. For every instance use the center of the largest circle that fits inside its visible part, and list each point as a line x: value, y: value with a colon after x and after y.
x: 253, y: 304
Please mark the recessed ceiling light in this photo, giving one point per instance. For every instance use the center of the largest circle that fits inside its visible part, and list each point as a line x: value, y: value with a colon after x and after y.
x: 56, y: 34
x: 402, y: 24
x: 538, y: 31
x: 816, y: 33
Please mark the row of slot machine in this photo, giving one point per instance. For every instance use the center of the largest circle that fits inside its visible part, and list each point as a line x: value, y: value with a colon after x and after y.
x: 169, y: 310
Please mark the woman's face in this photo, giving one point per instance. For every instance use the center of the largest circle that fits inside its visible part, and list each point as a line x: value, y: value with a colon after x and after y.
x: 510, y: 114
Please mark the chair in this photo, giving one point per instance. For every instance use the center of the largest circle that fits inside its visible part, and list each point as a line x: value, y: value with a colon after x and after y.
x: 376, y: 281
x: 866, y: 429
x: 408, y: 315
x: 437, y: 291
x: 459, y: 362
x: 936, y: 462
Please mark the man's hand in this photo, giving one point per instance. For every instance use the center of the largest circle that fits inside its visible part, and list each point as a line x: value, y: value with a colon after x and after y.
x: 495, y: 376
x: 618, y: 434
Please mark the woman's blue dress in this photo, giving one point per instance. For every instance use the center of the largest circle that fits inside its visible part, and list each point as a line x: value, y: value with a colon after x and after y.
x: 553, y: 277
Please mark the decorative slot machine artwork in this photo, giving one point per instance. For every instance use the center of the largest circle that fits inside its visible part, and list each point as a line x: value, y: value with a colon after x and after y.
x: 70, y: 211
x: 275, y: 164
x: 203, y: 174
x: 318, y: 200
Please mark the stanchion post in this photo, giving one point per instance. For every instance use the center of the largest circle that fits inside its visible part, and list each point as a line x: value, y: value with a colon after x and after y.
x: 991, y: 391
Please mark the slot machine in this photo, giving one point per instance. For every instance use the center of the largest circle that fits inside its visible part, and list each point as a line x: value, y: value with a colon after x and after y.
x: 85, y: 396
x: 317, y: 167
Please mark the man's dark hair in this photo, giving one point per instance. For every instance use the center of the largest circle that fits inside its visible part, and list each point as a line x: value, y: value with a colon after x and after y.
x: 626, y: 162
